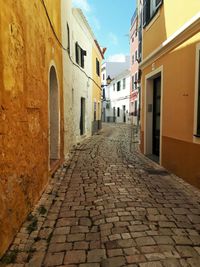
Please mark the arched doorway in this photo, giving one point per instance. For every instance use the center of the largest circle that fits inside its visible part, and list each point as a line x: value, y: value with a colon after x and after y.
x: 54, y: 121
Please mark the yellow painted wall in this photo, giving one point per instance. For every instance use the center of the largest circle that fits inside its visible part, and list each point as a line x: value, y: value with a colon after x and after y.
x: 27, y: 49
x: 179, y: 89
x: 96, y: 91
x: 170, y: 17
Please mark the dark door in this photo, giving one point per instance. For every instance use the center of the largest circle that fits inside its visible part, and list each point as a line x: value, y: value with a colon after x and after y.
x: 156, y: 115
x: 114, y: 114
x: 124, y: 113
x: 82, y: 116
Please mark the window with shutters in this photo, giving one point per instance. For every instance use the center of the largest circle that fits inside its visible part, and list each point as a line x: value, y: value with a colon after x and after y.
x: 80, y: 54
x: 150, y: 8
x: 136, y: 80
x: 97, y: 67
x: 136, y: 57
x: 119, y: 86
x: 133, y: 79
x: 198, y: 88
x: 132, y: 59
x: 124, y: 83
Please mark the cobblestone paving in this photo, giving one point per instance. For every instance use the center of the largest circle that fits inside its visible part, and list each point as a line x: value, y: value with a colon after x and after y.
x: 107, y: 207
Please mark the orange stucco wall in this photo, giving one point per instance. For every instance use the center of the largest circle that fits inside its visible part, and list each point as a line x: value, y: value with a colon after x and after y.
x: 178, y: 110
x: 27, y: 49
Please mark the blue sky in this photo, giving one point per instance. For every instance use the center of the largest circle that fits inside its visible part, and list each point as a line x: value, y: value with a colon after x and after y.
x: 110, y: 22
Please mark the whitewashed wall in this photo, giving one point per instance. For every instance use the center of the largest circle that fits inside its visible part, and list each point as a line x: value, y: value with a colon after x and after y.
x: 81, y: 85
x: 66, y: 18
x: 118, y: 99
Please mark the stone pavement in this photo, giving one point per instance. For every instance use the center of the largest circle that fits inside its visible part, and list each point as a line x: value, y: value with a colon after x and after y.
x: 107, y: 207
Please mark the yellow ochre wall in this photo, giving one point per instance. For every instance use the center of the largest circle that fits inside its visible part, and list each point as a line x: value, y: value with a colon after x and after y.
x: 170, y: 17
x: 96, y: 91
x: 27, y: 49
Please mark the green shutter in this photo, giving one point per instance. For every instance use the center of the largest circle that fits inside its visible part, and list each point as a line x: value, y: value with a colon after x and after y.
x: 146, y: 12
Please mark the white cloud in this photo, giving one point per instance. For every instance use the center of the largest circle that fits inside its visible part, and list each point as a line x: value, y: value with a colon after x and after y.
x: 83, y: 4
x: 117, y: 58
x: 113, y: 38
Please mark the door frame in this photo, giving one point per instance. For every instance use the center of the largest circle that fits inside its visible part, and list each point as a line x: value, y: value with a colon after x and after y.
x: 148, y: 111
x: 53, y: 64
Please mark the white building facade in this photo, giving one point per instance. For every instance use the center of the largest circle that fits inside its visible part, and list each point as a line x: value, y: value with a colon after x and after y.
x: 111, y: 69
x: 81, y: 84
x: 118, y: 98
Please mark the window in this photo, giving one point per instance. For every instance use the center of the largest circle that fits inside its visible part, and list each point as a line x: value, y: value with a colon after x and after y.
x: 119, y: 86
x: 136, y: 55
x: 103, y: 76
x: 133, y: 79
x: 68, y: 39
x: 150, y: 8
x: 135, y: 111
x: 104, y: 95
x: 97, y: 67
x: 113, y: 86
x: 118, y: 112
x: 135, y: 33
x: 136, y: 80
x: 124, y: 83
x: 132, y: 59
x: 198, y: 104
x: 80, y: 53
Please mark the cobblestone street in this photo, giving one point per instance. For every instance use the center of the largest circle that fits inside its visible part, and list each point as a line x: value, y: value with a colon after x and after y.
x: 107, y: 207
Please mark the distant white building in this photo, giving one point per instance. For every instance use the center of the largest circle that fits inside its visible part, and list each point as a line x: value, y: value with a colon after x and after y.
x: 111, y: 69
x: 118, y: 98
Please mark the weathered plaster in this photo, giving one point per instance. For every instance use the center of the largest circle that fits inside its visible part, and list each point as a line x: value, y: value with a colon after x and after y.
x: 27, y: 48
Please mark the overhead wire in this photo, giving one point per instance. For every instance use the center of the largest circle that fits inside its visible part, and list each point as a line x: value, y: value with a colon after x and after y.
x: 64, y: 48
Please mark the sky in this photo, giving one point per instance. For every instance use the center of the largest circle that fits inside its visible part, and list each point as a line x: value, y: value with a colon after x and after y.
x: 110, y: 21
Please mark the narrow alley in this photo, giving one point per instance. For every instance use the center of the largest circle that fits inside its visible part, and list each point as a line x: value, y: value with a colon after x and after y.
x: 107, y: 207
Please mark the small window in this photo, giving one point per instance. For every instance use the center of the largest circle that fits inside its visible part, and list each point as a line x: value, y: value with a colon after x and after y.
x: 97, y: 67
x: 119, y: 86
x: 136, y: 80
x: 124, y: 83
x: 113, y: 86
x: 135, y: 33
x: 103, y: 77
x: 80, y: 54
x: 136, y: 55
x: 132, y: 59
x: 118, y: 112
x: 133, y: 80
